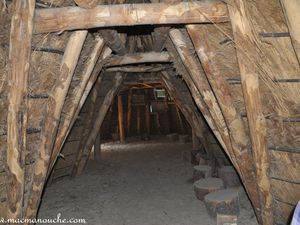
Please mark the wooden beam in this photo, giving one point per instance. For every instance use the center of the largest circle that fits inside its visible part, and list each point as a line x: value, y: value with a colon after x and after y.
x: 66, y: 124
x: 291, y: 9
x: 121, y: 119
x: 52, y: 115
x: 243, y: 36
x: 71, y: 18
x: 113, y: 40
x: 81, y: 161
x: 145, y: 57
x: 97, y: 148
x: 178, y: 113
x: 139, y: 69
x: 237, y: 131
x: 19, y: 62
x: 86, y: 4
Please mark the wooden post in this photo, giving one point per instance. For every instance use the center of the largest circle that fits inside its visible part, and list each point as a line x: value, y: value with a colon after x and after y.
x: 129, y: 111
x: 52, y: 115
x: 83, y: 154
x: 138, y: 118
x: 195, y: 140
x: 72, y: 18
x: 121, y: 119
x: 79, y: 90
x: 243, y: 36
x: 19, y: 61
x: 291, y: 9
x: 179, y: 119
x: 97, y: 148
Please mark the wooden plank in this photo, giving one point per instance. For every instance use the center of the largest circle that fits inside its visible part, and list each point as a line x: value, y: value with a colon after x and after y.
x: 71, y: 18
x: 283, y: 213
x: 279, y: 161
x: 70, y: 148
x: 19, y: 62
x: 66, y: 161
x: 291, y: 10
x: 52, y: 115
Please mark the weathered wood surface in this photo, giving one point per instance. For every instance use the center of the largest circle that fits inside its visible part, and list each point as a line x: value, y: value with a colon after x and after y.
x: 205, y: 186
x: 71, y: 18
x: 79, y: 89
x: 222, y: 202
x: 291, y: 10
x: 19, y: 60
x: 201, y: 171
x: 146, y: 57
x: 52, y: 114
x: 113, y: 40
x: 229, y: 176
x: 138, y: 69
x: 184, y: 48
x: 243, y: 36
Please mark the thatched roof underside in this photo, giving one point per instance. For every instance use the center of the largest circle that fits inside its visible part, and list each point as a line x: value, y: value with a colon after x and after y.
x: 234, y: 75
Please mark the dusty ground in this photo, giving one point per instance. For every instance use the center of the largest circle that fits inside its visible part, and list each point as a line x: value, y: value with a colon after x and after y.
x: 136, y: 184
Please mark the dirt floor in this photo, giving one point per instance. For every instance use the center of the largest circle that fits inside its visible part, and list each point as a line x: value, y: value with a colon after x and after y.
x: 140, y: 183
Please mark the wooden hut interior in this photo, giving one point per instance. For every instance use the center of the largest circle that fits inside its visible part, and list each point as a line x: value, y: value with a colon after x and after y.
x: 148, y: 112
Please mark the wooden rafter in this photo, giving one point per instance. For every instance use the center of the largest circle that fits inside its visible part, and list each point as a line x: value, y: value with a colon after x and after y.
x: 113, y: 40
x: 139, y: 69
x: 19, y: 61
x: 243, y: 36
x: 237, y: 131
x: 70, y: 18
x: 87, y: 4
x: 52, y: 115
x: 79, y: 90
x: 136, y: 58
x: 84, y: 154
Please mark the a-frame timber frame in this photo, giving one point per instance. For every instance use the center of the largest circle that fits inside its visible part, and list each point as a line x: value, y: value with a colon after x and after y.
x: 240, y: 117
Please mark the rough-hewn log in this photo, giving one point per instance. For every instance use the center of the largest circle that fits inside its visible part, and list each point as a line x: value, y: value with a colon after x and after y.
x: 138, y: 69
x: 52, y: 115
x: 88, y: 121
x: 237, y: 131
x: 79, y: 89
x: 243, y: 36
x: 19, y: 61
x: 80, y: 164
x: 188, y: 109
x: 121, y: 119
x: 113, y: 40
x: 147, y: 57
x: 291, y: 10
x: 71, y: 18
x: 87, y: 4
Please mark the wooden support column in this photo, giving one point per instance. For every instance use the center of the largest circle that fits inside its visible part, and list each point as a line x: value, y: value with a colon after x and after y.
x: 237, y: 131
x: 72, y: 18
x: 19, y: 62
x: 187, y: 107
x: 129, y: 111
x: 66, y: 125
x: 243, y: 36
x: 121, y: 119
x: 179, y: 119
x: 138, y: 119
x: 52, y: 116
x: 83, y: 154
x: 291, y: 9
x: 97, y: 148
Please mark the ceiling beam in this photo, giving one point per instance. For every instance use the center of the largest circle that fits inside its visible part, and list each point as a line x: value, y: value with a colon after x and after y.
x: 139, y: 69
x: 71, y: 18
x: 146, y: 57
